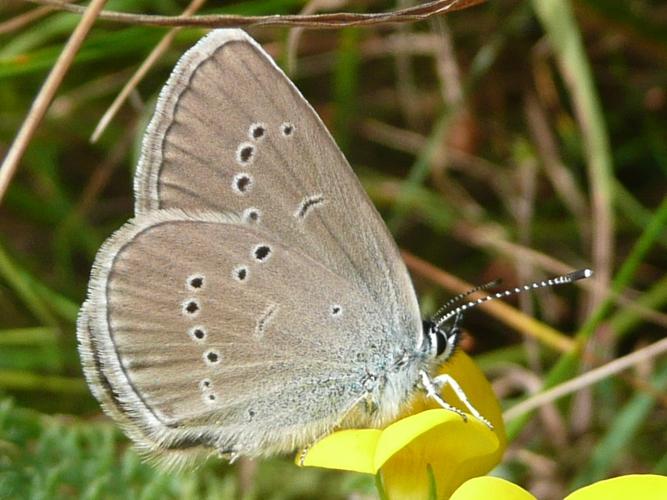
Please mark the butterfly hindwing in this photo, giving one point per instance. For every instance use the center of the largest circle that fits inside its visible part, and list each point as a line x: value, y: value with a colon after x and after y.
x: 194, y: 336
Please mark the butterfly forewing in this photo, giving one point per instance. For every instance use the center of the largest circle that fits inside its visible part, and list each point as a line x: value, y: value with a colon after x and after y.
x: 232, y: 133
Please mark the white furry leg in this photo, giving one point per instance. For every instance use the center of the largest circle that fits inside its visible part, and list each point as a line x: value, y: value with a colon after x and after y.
x: 433, y: 387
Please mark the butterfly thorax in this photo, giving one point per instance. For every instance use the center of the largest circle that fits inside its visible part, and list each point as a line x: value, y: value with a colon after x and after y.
x: 394, y: 384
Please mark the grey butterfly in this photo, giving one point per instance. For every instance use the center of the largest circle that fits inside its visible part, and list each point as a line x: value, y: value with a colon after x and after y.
x: 256, y: 301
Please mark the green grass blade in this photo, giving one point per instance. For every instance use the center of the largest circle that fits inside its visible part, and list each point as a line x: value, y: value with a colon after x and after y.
x: 610, y: 450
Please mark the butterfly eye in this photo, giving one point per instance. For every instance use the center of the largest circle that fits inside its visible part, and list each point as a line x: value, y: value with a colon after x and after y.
x: 443, y: 343
x: 440, y: 342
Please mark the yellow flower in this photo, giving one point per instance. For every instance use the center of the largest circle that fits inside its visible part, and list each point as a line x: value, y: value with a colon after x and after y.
x: 490, y: 487
x: 644, y: 486
x: 427, y: 440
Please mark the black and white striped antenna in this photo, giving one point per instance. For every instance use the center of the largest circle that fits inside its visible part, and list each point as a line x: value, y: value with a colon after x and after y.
x: 559, y: 280
x: 461, y: 296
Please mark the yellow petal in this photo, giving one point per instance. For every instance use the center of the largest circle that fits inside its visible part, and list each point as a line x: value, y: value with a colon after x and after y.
x: 352, y: 450
x: 490, y: 487
x: 644, y: 486
x: 400, y: 434
x: 454, y: 449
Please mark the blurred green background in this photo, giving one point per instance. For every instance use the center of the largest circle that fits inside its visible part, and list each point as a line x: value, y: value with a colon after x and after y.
x: 512, y: 140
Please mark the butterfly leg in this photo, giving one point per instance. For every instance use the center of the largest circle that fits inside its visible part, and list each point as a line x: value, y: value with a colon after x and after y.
x: 304, y: 452
x: 432, y: 392
x: 433, y: 386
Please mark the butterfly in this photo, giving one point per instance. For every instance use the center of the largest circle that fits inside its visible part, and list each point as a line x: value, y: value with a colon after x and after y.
x: 256, y: 301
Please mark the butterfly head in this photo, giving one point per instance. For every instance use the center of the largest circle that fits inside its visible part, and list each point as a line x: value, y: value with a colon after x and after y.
x: 441, y: 340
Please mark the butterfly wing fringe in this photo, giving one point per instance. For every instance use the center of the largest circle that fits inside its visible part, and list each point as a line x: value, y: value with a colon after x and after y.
x: 150, y: 449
